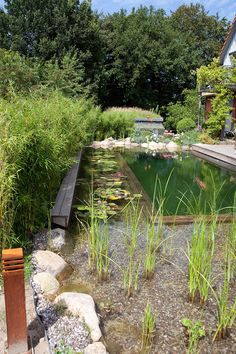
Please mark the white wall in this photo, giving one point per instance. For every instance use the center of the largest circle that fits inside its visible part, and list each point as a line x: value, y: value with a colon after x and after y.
x: 232, y: 48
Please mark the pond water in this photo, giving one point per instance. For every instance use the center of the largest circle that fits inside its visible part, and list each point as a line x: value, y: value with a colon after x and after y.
x: 192, y: 184
x: 195, y: 181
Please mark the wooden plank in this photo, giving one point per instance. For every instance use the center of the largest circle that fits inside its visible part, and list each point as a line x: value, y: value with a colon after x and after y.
x: 62, y: 208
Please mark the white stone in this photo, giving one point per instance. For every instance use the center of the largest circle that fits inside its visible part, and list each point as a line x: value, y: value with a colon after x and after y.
x: 161, y: 146
x: 56, y: 239
x: 153, y: 145
x: 50, y: 262
x: 95, y: 348
x: 82, y: 305
x: 47, y: 283
x: 171, y: 146
x: 96, y: 144
x: 134, y: 144
x: 144, y: 145
x: 119, y: 143
x: 127, y: 141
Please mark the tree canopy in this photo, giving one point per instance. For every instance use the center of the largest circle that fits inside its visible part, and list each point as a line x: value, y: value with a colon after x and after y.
x: 143, y: 58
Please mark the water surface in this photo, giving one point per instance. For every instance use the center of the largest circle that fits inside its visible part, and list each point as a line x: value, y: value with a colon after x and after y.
x: 197, y: 182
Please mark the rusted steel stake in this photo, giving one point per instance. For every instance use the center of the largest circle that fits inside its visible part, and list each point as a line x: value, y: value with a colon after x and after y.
x: 14, y: 289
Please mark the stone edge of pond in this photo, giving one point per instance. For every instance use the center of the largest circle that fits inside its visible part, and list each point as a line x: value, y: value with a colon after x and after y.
x: 55, y: 324
x: 111, y: 143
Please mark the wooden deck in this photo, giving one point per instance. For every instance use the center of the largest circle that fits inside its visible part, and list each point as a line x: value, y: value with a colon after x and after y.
x: 62, y: 208
x: 221, y: 155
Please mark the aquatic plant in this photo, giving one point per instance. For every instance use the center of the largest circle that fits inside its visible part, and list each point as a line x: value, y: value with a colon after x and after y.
x: 195, y: 332
x: 200, y: 255
x: 226, y: 311
x: 133, y: 214
x: 148, y: 329
x: 102, y: 247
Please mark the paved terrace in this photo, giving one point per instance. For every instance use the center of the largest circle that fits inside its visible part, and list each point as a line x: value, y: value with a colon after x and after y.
x: 221, y: 155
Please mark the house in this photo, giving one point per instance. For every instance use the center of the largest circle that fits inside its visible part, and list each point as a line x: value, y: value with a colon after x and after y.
x: 227, y: 54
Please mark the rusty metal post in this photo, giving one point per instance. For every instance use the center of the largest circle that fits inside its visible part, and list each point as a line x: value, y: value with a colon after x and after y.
x: 14, y: 290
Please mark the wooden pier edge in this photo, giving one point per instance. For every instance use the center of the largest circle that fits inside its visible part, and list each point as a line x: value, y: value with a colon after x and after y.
x: 61, y: 212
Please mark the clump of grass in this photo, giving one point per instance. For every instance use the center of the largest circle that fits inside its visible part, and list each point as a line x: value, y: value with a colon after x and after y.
x: 133, y: 214
x: 195, y: 331
x: 230, y: 252
x: 200, y: 255
x: 155, y: 226
x: 98, y: 242
x: 148, y: 329
x: 226, y: 309
x: 102, y: 247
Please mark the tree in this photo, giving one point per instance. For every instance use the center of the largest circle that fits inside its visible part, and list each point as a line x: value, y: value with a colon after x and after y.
x: 50, y: 29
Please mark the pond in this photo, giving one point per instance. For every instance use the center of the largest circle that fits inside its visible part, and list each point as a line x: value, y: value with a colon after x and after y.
x: 118, y: 178
x: 194, y: 181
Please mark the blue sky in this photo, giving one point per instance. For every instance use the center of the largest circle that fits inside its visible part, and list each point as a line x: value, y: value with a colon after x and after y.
x: 225, y: 8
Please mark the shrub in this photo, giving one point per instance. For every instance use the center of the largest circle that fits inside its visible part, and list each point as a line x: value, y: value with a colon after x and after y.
x: 188, y: 109
x: 185, y: 124
x: 206, y: 139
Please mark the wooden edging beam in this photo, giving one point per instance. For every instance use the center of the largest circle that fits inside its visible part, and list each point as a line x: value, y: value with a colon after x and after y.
x: 61, y: 211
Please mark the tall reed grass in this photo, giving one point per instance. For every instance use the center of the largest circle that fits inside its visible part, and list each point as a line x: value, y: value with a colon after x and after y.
x: 40, y: 135
x: 133, y: 215
x: 200, y: 255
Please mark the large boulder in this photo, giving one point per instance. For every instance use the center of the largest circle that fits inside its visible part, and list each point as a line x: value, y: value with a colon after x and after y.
x: 50, y: 262
x: 81, y: 305
x: 95, y: 348
x: 47, y: 283
x: 56, y: 239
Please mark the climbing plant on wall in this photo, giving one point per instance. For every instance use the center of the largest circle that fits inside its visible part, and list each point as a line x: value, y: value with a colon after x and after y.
x: 217, y: 79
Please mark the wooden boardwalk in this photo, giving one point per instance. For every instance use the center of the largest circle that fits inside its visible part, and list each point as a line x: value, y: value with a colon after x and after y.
x: 62, y: 208
x: 221, y: 155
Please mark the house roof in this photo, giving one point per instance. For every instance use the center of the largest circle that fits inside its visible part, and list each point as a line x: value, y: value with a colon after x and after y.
x: 228, y: 39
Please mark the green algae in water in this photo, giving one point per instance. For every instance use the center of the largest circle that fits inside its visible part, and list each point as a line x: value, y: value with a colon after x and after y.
x: 197, y: 179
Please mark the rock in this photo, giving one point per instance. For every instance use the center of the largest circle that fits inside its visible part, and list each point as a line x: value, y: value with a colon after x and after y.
x: 56, y: 239
x: 127, y: 141
x: 107, y: 143
x: 161, y: 146
x: 153, y: 145
x: 82, y: 305
x: 144, y: 145
x: 95, y: 348
x: 96, y: 144
x: 48, y: 284
x: 172, y: 146
x: 134, y: 144
x: 50, y: 262
x: 119, y: 143
x: 185, y: 147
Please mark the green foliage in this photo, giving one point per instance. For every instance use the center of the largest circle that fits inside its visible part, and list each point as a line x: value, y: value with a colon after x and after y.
x: 219, y: 114
x: 143, y: 58
x: 200, y: 257
x: 115, y: 123
x: 186, y: 111
x: 195, y: 332
x: 148, y: 329
x: 188, y: 138
x: 185, y: 124
x: 21, y: 75
x: 40, y: 137
x: 218, y: 78
x: 206, y: 139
